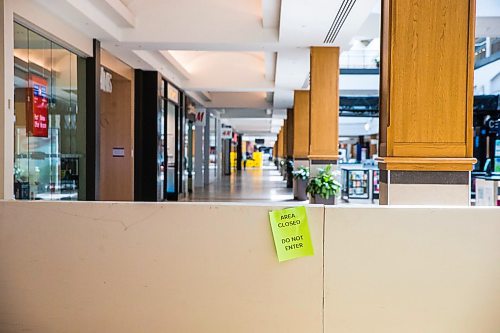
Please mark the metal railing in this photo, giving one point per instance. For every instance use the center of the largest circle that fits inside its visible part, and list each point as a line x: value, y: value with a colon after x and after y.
x: 360, y: 59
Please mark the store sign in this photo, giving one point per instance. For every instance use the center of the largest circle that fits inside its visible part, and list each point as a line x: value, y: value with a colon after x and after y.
x: 118, y: 152
x: 200, y: 117
x: 497, y: 156
x: 37, y: 121
x: 226, y: 133
x: 291, y: 233
x: 172, y: 93
x: 105, y: 82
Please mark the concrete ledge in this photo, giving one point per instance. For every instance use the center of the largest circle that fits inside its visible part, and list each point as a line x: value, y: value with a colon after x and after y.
x: 393, y: 270
x: 186, y: 267
x: 139, y: 267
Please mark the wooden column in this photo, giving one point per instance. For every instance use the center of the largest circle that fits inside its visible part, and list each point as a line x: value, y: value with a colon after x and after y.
x: 285, y: 139
x: 290, y: 134
x: 301, y: 127
x: 426, y: 85
x: 324, y: 105
x: 279, y: 145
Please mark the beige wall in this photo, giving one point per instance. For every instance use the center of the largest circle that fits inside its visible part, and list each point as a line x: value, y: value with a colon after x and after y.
x: 182, y: 267
x: 138, y: 267
x: 393, y: 270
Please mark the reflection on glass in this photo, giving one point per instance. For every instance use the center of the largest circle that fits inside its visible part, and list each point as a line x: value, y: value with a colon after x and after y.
x: 47, y: 152
x: 160, y: 153
x: 171, y: 149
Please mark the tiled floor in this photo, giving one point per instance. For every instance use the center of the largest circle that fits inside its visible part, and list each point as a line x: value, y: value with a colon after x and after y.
x: 251, y: 185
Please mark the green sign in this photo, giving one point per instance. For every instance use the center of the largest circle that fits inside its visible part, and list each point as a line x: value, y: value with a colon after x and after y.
x: 291, y: 233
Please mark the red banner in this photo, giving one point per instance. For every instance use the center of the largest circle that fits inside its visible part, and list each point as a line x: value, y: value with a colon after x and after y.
x: 37, y: 112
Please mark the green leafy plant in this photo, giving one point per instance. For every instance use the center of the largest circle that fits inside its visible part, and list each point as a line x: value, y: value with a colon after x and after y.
x: 324, y: 184
x: 301, y: 173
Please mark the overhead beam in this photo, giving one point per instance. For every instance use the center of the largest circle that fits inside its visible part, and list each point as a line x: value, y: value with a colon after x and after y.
x: 96, y: 16
x: 175, y: 64
x: 124, y: 15
x: 271, y: 10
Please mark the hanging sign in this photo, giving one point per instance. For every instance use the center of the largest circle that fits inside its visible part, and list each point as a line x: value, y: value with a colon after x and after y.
x: 226, y: 133
x: 172, y: 93
x: 291, y: 233
x: 37, y: 121
x: 105, y: 81
x: 200, y: 117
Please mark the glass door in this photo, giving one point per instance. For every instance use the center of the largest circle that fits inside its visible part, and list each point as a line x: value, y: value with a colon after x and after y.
x: 160, y: 177
x: 48, y: 144
x: 171, y: 150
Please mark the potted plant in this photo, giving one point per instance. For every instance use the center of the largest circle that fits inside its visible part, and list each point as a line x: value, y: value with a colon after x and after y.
x: 282, y: 167
x: 300, y: 180
x: 324, y: 187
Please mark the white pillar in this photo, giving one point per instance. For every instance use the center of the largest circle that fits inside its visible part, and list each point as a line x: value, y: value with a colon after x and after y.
x: 218, y: 146
x: 7, y: 101
x: 206, y: 151
x: 198, y: 157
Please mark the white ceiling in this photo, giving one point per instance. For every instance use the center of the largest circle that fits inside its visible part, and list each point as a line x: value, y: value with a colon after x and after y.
x: 225, y: 53
x: 247, y: 54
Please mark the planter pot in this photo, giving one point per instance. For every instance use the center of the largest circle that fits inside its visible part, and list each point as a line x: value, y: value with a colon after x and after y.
x: 299, y: 189
x: 322, y: 201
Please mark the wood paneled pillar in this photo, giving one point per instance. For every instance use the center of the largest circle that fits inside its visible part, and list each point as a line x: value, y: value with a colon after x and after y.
x: 426, y: 85
x: 301, y: 128
x: 290, y: 143
x: 279, y: 145
x: 324, y: 106
x: 285, y: 139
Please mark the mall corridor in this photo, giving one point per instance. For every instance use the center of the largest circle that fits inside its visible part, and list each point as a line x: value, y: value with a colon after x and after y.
x: 251, y: 185
x: 243, y: 166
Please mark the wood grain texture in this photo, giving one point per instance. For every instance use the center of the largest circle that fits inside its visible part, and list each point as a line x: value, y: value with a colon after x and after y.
x: 427, y: 78
x: 279, y: 144
x: 290, y: 135
x: 426, y: 164
x: 324, y: 102
x: 301, y: 124
x: 429, y: 149
x: 285, y: 138
x: 114, y: 64
x: 117, y: 173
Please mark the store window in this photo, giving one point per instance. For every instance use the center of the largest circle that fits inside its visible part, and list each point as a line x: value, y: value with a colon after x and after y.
x: 49, y: 134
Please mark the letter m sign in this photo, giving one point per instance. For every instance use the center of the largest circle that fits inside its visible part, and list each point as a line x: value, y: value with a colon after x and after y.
x: 200, y: 119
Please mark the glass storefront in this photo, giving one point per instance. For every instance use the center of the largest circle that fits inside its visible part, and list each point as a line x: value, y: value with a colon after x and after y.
x: 173, y: 132
x: 50, y: 119
x: 160, y: 177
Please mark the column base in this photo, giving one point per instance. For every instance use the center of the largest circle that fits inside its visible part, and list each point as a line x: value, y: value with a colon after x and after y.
x: 315, y: 165
x: 302, y: 162
x: 399, y: 187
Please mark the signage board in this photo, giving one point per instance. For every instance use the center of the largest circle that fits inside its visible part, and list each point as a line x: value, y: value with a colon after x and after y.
x: 226, y: 133
x: 200, y: 117
x: 291, y: 233
x: 37, y: 117
x: 172, y: 93
x: 118, y: 152
x: 105, y: 81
